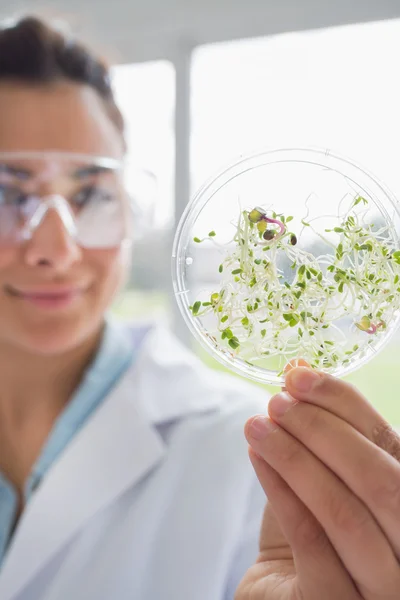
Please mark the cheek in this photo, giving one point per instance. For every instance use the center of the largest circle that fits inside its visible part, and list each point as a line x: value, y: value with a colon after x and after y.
x: 8, y: 257
x: 111, y: 268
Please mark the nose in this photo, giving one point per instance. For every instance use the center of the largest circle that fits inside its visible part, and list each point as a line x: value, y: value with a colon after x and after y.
x: 51, y: 245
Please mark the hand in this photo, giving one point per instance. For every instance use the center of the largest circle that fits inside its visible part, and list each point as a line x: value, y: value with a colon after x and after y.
x: 329, y: 465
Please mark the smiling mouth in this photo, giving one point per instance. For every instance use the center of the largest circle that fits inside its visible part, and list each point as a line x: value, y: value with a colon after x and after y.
x: 50, y: 298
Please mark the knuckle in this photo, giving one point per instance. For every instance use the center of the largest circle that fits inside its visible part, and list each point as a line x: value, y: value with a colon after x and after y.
x: 385, y: 493
x: 348, y: 515
x: 309, y: 537
x: 311, y: 419
x: 331, y: 386
x: 289, y: 453
x: 386, y: 438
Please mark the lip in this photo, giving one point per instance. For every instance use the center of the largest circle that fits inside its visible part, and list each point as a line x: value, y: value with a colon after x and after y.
x: 47, y: 297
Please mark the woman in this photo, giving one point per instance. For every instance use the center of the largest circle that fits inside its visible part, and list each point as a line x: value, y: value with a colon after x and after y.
x: 123, y: 465
x: 124, y: 471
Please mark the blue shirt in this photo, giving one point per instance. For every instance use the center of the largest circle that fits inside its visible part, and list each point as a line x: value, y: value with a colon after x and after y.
x: 113, y: 358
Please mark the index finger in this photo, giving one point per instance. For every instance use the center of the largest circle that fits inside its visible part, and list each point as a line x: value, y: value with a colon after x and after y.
x: 345, y: 401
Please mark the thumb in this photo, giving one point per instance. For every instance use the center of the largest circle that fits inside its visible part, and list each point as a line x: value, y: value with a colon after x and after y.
x: 296, y: 362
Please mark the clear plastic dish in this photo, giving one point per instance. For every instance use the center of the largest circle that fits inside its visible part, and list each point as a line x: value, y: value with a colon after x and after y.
x: 286, y: 254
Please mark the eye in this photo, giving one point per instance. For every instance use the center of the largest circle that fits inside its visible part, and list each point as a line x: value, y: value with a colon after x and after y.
x: 11, y: 196
x: 92, y: 194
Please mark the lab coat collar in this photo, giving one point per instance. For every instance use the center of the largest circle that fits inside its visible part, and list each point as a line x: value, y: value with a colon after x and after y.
x: 114, y: 450
x: 170, y: 382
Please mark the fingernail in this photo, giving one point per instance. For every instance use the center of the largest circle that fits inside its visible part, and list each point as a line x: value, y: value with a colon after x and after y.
x: 260, y: 427
x: 280, y: 404
x: 296, y: 362
x: 302, y: 379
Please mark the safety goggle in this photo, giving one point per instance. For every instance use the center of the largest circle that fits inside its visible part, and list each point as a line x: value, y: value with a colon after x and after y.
x: 86, y: 192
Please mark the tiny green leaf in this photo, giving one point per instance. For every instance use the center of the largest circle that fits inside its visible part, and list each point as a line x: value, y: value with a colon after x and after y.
x: 256, y: 215
x: 234, y: 343
x: 364, y: 324
x: 262, y: 226
x: 396, y: 256
x: 360, y: 199
x: 196, y: 307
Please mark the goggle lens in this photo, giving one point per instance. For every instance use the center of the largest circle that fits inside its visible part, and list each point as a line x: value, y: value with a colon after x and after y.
x: 92, y: 206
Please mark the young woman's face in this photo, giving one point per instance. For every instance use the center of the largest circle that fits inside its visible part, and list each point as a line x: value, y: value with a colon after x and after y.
x: 53, y: 291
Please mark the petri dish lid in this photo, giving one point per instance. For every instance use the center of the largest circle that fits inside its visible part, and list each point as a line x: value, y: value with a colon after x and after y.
x: 287, y: 254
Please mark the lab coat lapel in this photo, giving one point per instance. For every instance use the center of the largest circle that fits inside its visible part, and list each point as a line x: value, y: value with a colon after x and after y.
x: 92, y: 472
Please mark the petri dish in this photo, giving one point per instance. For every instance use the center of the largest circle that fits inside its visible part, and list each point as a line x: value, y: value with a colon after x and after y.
x: 289, y: 254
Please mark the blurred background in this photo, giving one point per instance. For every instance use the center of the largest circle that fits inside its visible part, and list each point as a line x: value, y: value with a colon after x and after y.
x: 201, y: 82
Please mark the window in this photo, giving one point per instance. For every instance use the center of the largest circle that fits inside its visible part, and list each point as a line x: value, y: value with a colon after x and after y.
x: 335, y: 88
x: 146, y: 95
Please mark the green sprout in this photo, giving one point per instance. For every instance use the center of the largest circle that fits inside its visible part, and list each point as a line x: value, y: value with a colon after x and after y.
x: 262, y: 312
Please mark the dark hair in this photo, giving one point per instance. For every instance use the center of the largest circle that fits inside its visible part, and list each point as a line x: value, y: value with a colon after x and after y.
x: 32, y: 51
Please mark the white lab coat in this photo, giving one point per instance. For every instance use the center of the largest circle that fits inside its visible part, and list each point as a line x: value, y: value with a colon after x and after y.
x: 154, y: 498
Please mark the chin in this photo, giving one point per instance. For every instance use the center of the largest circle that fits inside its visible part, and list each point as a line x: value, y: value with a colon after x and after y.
x: 59, y: 336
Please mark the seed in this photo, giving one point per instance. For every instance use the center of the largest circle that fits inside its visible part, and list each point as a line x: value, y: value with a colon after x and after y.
x: 269, y: 234
x: 293, y: 239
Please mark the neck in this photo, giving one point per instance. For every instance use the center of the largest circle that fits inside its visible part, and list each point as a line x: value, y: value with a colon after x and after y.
x: 35, y: 387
